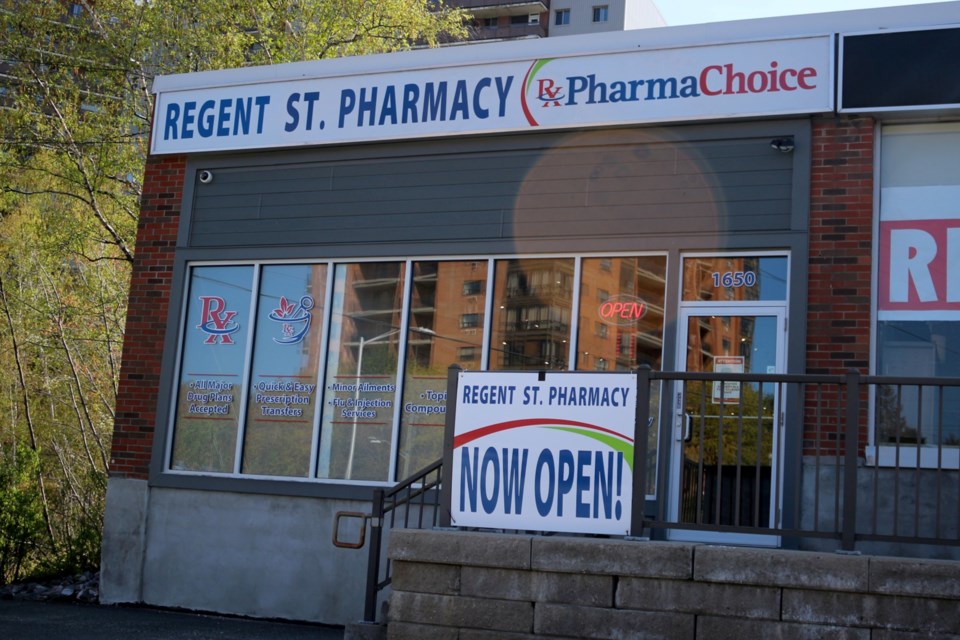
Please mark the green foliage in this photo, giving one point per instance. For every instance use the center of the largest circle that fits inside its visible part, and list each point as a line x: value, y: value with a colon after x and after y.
x: 75, y: 115
x: 21, y: 514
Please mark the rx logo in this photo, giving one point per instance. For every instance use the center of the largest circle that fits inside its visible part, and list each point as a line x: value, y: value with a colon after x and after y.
x: 548, y: 92
x: 216, y: 321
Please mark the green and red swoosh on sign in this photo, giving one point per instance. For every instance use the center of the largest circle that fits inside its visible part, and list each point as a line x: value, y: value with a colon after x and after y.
x: 608, y: 437
x: 527, y: 81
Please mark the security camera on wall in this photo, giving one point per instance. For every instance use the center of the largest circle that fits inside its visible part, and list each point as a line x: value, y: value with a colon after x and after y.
x: 205, y: 177
x: 783, y: 145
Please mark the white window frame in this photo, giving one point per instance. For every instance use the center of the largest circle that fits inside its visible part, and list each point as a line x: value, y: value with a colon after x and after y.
x: 935, y: 456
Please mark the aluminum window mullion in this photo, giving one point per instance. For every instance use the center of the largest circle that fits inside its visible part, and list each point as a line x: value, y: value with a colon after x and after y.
x: 247, y: 369
x: 321, y: 372
x: 575, y: 315
x: 401, y: 368
x: 488, y: 318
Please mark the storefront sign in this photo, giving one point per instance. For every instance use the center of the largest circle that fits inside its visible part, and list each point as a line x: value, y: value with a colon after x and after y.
x: 721, y: 81
x: 547, y: 455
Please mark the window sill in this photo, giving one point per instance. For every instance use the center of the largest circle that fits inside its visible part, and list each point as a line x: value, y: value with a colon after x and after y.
x: 906, y: 455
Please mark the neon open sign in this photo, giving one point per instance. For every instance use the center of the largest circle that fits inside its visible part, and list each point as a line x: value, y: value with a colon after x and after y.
x: 622, y: 309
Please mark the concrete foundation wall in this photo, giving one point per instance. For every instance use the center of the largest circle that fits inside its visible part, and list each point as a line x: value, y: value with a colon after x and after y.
x: 124, y: 527
x: 913, y: 503
x: 243, y: 554
x: 461, y: 585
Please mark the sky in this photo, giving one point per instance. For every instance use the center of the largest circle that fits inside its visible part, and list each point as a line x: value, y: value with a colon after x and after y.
x: 677, y: 12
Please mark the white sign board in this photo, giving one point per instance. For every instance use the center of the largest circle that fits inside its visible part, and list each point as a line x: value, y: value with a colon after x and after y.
x: 550, y: 455
x: 669, y: 85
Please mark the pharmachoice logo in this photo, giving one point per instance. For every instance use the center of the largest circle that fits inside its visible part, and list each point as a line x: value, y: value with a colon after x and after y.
x: 570, y: 84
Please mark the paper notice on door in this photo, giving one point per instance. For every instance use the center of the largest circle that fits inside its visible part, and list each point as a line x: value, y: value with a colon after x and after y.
x: 727, y: 392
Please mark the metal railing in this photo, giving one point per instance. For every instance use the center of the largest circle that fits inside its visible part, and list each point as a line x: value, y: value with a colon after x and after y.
x: 839, y: 459
x: 412, y: 503
x: 848, y: 458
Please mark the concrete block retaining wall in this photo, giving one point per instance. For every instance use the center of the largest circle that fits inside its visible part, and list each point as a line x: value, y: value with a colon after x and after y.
x: 454, y: 585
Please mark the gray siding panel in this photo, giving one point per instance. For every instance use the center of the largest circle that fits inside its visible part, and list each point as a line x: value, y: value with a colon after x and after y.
x: 551, y: 186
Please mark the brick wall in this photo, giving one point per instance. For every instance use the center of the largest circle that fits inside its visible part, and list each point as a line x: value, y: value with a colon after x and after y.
x: 841, y: 236
x: 136, y: 410
x: 463, y: 585
x: 841, y: 240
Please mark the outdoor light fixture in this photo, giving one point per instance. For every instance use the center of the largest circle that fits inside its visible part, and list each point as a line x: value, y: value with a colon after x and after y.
x: 783, y: 145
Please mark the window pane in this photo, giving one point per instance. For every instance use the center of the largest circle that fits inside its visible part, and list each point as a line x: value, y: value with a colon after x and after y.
x: 621, y: 327
x: 211, y: 373
x: 623, y: 322
x: 531, y: 314
x: 286, y: 361
x: 436, y: 339
x: 360, y: 384
x: 735, y: 278
x: 911, y: 414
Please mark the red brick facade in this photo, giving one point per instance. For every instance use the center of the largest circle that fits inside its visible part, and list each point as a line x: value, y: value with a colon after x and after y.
x: 841, y: 240
x: 841, y: 245
x: 147, y: 317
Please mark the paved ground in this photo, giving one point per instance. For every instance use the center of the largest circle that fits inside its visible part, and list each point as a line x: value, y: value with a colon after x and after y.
x: 22, y: 620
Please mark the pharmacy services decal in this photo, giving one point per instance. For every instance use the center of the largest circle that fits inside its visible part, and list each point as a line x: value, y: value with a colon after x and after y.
x: 548, y: 455
x: 644, y: 86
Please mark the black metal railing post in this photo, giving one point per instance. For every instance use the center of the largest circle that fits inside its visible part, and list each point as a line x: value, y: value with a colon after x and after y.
x: 851, y: 444
x: 642, y: 420
x: 373, y: 557
x: 446, y: 473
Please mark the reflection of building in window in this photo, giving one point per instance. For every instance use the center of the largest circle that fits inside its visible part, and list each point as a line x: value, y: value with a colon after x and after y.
x: 631, y: 286
x: 914, y: 414
x: 445, y: 296
x: 368, y: 352
x: 469, y: 320
x: 472, y: 287
x: 533, y: 304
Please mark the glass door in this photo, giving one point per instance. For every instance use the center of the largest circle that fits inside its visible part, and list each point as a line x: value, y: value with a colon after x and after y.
x: 726, y: 433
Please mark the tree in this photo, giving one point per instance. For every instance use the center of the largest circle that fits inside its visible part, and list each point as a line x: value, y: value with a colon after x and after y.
x: 75, y: 113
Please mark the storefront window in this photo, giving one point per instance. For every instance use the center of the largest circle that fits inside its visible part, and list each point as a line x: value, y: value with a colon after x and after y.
x: 911, y: 414
x: 326, y: 406
x: 621, y: 327
x: 735, y: 279
x: 532, y: 305
x: 918, y: 296
x: 360, y: 385
x: 212, y: 369
x: 441, y: 294
x: 624, y: 325
x: 286, y: 362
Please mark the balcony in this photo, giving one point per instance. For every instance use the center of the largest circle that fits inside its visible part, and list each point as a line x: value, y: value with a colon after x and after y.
x: 491, y: 8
